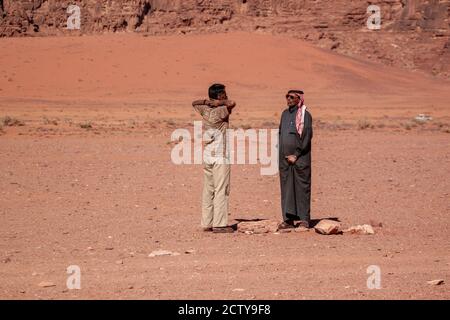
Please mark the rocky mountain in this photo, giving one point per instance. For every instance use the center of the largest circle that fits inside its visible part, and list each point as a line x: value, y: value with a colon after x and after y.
x: 414, y: 34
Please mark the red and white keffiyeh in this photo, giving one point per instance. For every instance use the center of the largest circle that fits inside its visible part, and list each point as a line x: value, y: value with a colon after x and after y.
x: 300, y: 116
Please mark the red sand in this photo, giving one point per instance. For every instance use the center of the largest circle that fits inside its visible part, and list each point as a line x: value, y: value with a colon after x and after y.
x: 64, y: 188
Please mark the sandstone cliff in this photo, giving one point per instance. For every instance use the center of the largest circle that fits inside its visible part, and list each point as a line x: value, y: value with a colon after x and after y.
x: 414, y: 34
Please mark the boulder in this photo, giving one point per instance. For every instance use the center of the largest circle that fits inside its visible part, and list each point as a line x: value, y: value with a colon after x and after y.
x: 328, y: 227
x: 258, y: 227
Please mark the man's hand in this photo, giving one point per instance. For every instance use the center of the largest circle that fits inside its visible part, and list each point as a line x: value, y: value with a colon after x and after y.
x: 218, y: 103
x: 291, y: 159
x: 213, y: 103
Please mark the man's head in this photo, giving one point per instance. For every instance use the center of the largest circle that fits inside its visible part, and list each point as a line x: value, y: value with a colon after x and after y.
x: 293, y: 97
x: 217, y: 92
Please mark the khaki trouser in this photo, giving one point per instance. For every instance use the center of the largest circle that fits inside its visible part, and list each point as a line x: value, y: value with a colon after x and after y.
x: 216, y: 193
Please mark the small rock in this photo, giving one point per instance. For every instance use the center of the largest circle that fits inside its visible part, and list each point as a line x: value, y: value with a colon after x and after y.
x: 328, y: 227
x: 361, y: 229
x: 46, y: 284
x: 159, y: 253
x: 301, y: 229
x: 375, y: 224
x: 109, y: 248
x: 287, y: 230
x: 6, y: 260
x: 190, y: 251
x: 258, y: 227
x: 436, y: 282
x: 119, y: 262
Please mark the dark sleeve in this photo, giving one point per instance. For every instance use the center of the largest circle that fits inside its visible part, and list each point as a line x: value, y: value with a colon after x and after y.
x: 305, y: 140
x: 279, y: 126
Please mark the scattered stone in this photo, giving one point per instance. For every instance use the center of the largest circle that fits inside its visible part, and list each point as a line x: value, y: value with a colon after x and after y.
x: 436, y: 282
x: 160, y: 253
x: 46, y: 284
x: 375, y: 223
x: 328, y: 227
x: 258, y: 227
x: 287, y: 230
x: 6, y: 260
x: 301, y: 229
x: 422, y: 118
x: 360, y: 229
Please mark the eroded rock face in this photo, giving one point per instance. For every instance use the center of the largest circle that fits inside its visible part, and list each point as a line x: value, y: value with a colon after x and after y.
x: 415, y: 34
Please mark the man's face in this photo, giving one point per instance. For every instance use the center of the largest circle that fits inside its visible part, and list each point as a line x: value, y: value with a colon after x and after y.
x: 222, y: 96
x: 292, y: 99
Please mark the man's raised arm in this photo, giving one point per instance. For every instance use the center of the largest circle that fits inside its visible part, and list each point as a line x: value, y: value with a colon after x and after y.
x: 230, y: 104
x: 199, y: 102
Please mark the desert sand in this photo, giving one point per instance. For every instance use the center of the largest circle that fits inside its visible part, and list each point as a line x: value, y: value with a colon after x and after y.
x: 87, y: 179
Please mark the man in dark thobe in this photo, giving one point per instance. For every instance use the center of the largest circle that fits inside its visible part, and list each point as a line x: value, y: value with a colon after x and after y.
x: 295, y: 161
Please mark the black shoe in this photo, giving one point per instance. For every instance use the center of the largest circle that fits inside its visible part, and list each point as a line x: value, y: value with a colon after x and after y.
x: 303, y: 223
x: 288, y: 224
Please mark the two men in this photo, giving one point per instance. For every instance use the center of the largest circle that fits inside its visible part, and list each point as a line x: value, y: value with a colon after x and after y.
x: 216, y: 183
x: 295, y: 161
x: 295, y: 134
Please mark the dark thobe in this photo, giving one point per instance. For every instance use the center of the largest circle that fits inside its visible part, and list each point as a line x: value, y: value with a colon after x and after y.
x: 295, y: 179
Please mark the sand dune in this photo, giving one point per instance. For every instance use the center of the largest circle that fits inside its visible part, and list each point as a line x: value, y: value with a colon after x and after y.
x: 170, y: 71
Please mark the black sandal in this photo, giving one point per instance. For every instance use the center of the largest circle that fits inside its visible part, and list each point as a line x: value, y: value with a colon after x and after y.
x: 286, y: 225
